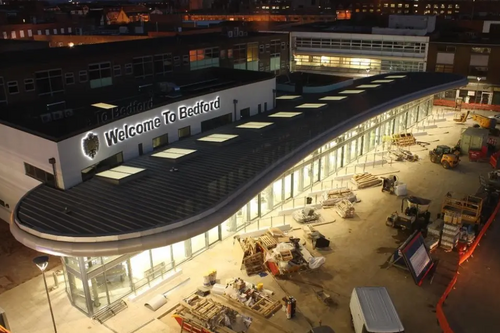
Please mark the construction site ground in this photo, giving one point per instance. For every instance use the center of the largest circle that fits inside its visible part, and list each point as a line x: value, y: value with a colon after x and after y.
x: 473, y: 304
x: 359, y: 249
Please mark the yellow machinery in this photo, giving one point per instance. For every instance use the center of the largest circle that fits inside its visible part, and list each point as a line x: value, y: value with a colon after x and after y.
x: 485, y: 122
x: 461, y: 117
x: 445, y: 156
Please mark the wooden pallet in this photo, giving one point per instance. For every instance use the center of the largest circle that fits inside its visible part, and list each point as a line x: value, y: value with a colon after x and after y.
x: 266, y: 307
x: 286, y: 255
x: 365, y: 180
x: 268, y: 242
x: 404, y: 139
x: 254, y: 264
x: 345, y: 209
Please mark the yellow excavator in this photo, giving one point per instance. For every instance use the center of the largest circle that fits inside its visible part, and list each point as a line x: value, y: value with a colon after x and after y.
x: 446, y: 156
x: 485, y: 122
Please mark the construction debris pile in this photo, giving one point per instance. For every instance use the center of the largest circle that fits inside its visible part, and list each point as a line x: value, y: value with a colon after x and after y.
x: 345, y: 209
x: 365, y: 180
x: 196, y: 312
x: 305, y: 215
x: 456, y: 225
x: 281, y: 254
x: 400, y: 155
x: 253, y: 297
x: 330, y: 198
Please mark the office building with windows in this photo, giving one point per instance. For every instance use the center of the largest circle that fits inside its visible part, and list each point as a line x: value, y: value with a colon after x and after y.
x: 126, y: 201
x: 360, y: 50
x: 73, y: 77
x: 470, y: 52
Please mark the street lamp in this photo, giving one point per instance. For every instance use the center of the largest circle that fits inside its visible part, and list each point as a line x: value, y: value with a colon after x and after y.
x: 42, y: 262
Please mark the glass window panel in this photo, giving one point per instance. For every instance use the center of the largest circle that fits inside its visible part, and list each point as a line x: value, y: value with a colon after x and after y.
x: 296, y: 183
x: 118, y: 281
x: 287, y: 187
x: 277, y: 192
x: 72, y: 262
x: 98, y: 296
x: 162, y: 255
x: 242, y: 216
x: 306, y: 175
x: 213, y: 235
x: 228, y: 227
x: 266, y: 200
x: 316, y: 171
x: 77, y: 292
x: 140, y: 263
x: 179, y: 251
x: 198, y: 243
x: 253, y: 206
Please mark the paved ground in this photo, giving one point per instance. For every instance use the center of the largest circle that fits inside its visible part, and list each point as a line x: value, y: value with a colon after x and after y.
x: 473, y: 305
x: 360, y: 247
x: 16, y: 266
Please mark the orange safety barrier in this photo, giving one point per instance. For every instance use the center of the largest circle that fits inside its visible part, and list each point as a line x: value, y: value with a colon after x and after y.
x: 441, y: 317
x: 475, y: 106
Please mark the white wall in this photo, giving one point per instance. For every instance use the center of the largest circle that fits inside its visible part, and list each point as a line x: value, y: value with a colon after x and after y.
x: 73, y: 160
x: 17, y: 147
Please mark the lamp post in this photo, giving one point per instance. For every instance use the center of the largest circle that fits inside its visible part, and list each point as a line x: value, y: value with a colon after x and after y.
x: 42, y: 262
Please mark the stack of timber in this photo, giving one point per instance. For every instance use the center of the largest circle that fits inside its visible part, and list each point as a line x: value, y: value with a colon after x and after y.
x: 253, y: 257
x: 365, y: 180
x: 245, y: 293
x: 330, y: 198
x: 345, y: 209
x: 404, y: 139
x: 196, y: 312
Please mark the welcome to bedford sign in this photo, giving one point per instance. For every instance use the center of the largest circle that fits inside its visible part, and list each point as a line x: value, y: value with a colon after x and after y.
x: 118, y: 135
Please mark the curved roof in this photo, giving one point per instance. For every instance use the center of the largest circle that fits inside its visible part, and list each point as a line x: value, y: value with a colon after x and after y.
x: 100, y: 218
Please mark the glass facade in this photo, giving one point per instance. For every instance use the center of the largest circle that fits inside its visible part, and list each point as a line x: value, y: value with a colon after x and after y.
x: 355, y: 64
x: 93, y: 283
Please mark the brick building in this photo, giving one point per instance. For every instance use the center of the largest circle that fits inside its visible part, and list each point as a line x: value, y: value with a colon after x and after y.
x: 73, y: 78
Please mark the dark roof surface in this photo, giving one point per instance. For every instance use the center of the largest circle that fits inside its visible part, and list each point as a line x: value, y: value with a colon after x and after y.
x: 163, y: 198
x: 113, y: 48
x: 191, y: 83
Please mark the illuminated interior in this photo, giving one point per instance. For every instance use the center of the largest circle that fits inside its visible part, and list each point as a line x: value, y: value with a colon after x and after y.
x: 355, y: 65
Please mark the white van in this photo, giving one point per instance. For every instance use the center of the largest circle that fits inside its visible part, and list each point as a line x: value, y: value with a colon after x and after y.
x: 372, y: 311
